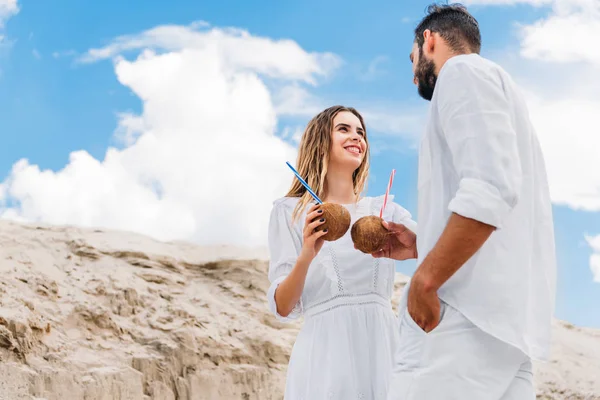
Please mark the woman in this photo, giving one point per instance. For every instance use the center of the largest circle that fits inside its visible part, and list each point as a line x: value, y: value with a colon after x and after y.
x: 345, y: 347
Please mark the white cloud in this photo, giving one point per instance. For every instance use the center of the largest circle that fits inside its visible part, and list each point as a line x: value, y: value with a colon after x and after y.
x: 568, y: 132
x: 237, y: 48
x: 594, y: 243
x: 8, y: 8
x: 202, y: 162
x: 293, y: 134
x: 295, y: 100
x: 286, y: 59
x: 561, y: 37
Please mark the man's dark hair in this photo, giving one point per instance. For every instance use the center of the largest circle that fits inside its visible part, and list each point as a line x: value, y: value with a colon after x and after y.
x: 454, y: 24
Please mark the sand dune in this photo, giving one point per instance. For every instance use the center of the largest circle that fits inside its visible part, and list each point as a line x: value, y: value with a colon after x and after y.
x: 104, y: 315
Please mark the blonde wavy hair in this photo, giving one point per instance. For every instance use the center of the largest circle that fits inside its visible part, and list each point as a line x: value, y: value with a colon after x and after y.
x: 313, y: 159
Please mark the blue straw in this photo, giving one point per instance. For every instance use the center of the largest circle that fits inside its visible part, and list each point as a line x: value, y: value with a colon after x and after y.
x: 305, y: 184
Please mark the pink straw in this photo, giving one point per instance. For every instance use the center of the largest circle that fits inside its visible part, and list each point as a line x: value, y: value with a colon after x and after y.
x: 387, y: 192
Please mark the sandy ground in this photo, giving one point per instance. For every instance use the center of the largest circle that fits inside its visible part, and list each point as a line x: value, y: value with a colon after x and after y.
x: 103, y: 315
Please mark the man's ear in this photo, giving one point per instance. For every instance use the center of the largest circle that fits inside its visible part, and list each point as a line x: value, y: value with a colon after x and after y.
x: 429, y: 41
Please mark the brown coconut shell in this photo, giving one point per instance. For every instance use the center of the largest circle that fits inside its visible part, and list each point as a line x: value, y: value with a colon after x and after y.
x: 337, y: 221
x: 368, y: 234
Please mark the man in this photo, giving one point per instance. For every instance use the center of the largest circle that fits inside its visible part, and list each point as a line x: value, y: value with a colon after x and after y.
x: 478, y: 308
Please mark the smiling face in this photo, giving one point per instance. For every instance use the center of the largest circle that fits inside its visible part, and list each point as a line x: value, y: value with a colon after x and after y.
x: 334, y: 142
x: 348, y: 142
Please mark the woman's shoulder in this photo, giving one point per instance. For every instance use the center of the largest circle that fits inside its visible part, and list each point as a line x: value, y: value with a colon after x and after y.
x: 286, y: 202
x: 284, y: 206
x: 282, y: 213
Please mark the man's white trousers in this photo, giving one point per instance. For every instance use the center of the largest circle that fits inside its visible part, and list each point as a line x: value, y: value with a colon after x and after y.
x: 456, y: 361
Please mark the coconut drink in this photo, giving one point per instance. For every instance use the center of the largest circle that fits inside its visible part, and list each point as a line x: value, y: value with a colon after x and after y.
x: 337, y: 217
x: 337, y: 221
x: 368, y: 233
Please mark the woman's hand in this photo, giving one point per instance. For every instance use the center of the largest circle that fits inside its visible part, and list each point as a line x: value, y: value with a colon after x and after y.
x: 290, y: 290
x: 312, y: 240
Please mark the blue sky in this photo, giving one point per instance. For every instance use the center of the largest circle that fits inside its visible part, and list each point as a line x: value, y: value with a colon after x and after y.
x: 57, y: 97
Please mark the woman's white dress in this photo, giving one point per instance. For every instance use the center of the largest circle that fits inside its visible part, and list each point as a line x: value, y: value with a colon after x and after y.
x: 346, y: 345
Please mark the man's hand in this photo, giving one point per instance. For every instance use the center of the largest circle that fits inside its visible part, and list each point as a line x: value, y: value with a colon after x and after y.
x: 401, y: 243
x: 423, y: 304
x: 461, y: 238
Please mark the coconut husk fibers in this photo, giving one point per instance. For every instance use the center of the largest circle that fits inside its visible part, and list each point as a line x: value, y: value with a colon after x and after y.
x: 368, y: 234
x: 337, y: 221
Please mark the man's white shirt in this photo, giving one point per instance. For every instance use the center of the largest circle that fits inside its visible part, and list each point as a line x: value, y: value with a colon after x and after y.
x: 480, y: 157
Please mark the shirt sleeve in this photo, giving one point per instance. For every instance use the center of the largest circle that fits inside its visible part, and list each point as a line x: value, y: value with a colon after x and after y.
x: 476, y: 123
x: 284, y: 248
x: 404, y: 217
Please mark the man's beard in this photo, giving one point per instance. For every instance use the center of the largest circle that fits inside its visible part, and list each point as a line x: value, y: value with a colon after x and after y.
x: 426, y: 77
